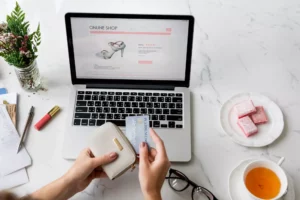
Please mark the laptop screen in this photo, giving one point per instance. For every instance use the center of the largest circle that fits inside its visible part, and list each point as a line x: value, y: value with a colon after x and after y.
x: 131, y: 49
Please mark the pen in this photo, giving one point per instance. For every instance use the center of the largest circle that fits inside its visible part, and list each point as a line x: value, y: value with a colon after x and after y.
x: 46, y: 118
x: 29, y: 119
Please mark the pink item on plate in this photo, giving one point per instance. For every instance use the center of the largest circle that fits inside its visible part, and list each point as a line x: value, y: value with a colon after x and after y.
x: 260, y: 116
x: 244, y: 108
x: 248, y: 127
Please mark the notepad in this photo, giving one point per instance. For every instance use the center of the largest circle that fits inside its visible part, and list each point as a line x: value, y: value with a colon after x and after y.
x: 10, y: 161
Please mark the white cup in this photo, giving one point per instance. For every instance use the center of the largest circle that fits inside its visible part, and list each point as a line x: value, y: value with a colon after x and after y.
x: 273, y: 167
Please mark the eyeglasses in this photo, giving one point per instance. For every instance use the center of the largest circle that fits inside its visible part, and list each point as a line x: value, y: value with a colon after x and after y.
x: 179, y: 182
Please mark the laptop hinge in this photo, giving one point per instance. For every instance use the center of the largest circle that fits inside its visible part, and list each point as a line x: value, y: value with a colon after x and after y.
x: 129, y: 86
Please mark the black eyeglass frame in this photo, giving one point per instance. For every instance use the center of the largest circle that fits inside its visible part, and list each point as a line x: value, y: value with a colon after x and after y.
x: 182, y: 176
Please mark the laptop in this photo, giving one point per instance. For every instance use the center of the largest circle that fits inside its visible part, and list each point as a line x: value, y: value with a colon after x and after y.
x: 129, y: 65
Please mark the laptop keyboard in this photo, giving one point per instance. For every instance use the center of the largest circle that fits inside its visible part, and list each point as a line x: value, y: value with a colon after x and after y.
x: 94, y: 108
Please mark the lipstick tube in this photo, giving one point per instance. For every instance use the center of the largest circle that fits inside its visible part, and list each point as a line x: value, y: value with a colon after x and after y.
x: 38, y: 126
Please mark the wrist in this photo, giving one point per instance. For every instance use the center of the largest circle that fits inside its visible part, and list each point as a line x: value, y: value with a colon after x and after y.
x: 153, y: 196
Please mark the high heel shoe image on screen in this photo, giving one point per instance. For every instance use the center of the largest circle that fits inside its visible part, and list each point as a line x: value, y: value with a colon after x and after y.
x: 115, y: 46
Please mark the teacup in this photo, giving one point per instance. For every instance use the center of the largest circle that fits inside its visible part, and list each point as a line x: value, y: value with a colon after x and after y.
x: 269, y: 165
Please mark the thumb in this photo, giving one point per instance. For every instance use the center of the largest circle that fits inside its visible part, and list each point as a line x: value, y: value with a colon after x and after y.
x: 144, y: 153
x: 105, y: 159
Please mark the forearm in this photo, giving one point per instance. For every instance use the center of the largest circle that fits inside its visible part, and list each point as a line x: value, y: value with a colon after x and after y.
x: 59, y: 189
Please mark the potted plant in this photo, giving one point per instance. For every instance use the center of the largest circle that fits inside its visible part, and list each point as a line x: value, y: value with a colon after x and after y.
x: 19, y: 48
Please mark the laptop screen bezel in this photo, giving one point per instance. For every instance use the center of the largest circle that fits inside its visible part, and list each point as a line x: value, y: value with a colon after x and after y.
x: 82, y: 81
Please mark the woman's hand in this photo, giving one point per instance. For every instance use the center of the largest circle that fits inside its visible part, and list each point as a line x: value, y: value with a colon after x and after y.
x: 88, y: 167
x: 153, y: 168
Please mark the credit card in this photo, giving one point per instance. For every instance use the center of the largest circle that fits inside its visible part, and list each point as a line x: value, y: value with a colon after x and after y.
x: 137, y: 130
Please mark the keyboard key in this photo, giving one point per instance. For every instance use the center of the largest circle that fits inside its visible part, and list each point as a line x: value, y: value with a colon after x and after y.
x: 163, y: 94
x: 178, y: 126
x: 105, y: 104
x: 80, y: 92
x: 171, y: 124
x: 134, y: 104
x: 171, y: 94
x: 156, y: 105
x: 178, y: 105
x: 146, y: 99
x: 156, y: 94
x: 164, y: 126
x: 133, y: 93
x: 81, y: 103
x: 76, y: 122
x: 90, y: 103
x: 171, y: 105
x: 112, y: 104
x: 87, y: 97
x: 158, y: 111
x: 178, y: 95
x: 121, y: 110
x: 166, y: 111
x: 118, y: 93
x: 102, y: 98
x: 162, y: 117
x: 96, y: 92
x: 131, y: 98
x: 174, y: 117
x: 120, y: 104
x: 109, y: 116
x: 103, y: 93
x: 176, y: 111
x: 106, y: 110
x: 81, y: 109
x: 98, y: 109
x: 150, y: 111
x: 117, y: 98
x: 117, y: 122
x: 128, y: 110
x: 141, y: 93
x: 97, y: 103
x: 177, y: 99
x: 125, y: 93
x: 80, y: 97
x: 124, y: 116
x: 100, y: 122
x: 148, y: 94
x: 113, y: 110
x: 132, y: 115
x: 156, y: 124
x: 153, y: 99
x: 127, y: 104
x: 154, y: 117
x: 164, y: 105
x: 84, y: 122
x: 95, y: 97
x: 111, y: 93
x: 94, y: 115
x: 150, y: 124
x: 109, y: 98
x: 88, y: 92
x: 117, y: 116
x: 136, y: 110
x: 142, y: 105
x: 102, y: 116
x: 92, y: 122
x: 123, y: 98
x: 149, y: 105
x: 167, y: 99
x: 161, y: 99
x: 139, y: 99
x: 143, y: 111
x: 92, y: 109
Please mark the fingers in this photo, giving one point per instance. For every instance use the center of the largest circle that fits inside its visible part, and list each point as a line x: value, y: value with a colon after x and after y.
x: 105, y: 159
x: 144, y: 160
x: 160, y: 147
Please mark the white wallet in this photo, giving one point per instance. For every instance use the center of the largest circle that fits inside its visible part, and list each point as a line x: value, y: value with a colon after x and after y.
x: 109, y: 138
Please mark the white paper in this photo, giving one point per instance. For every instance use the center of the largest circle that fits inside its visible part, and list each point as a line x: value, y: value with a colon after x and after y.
x: 11, y: 98
x: 10, y: 161
x: 14, y: 179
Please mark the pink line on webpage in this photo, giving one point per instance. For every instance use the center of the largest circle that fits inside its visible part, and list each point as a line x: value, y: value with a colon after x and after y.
x: 131, y: 33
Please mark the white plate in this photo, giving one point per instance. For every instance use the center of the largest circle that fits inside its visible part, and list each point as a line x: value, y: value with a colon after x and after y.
x: 237, y: 191
x: 267, y: 133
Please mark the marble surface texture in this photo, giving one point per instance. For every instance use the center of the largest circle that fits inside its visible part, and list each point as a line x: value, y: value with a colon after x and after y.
x: 239, y: 46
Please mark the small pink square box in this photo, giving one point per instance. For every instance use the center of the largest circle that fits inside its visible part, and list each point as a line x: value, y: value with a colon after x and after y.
x: 248, y: 127
x: 244, y: 108
x: 260, y: 116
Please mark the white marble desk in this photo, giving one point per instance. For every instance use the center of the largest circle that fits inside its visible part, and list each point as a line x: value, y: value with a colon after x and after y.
x: 239, y: 46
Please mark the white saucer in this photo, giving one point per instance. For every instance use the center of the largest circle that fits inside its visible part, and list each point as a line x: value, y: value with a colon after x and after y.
x: 267, y: 133
x: 237, y: 191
